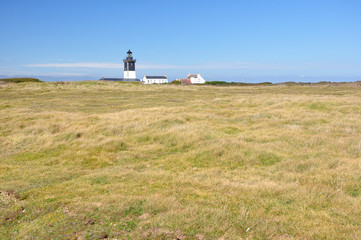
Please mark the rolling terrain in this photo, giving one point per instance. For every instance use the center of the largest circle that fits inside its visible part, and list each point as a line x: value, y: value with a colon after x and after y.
x: 93, y: 160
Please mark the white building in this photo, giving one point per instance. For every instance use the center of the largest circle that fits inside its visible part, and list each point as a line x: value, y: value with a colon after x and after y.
x: 193, y: 79
x: 154, y: 79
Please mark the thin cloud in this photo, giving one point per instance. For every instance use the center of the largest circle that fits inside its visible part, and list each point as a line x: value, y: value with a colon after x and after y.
x: 78, y: 65
x: 214, y: 65
x: 29, y: 73
x: 159, y: 66
x: 103, y: 65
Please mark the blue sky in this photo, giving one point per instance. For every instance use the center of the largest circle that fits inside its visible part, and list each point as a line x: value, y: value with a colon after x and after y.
x: 249, y: 41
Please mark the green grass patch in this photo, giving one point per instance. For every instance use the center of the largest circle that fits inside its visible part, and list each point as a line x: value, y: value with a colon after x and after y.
x: 230, y: 130
x: 268, y: 159
x: 319, y: 106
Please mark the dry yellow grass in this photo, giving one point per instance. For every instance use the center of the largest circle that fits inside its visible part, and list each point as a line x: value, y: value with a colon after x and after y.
x: 92, y: 160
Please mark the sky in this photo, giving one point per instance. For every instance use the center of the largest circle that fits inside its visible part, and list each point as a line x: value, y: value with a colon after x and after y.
x: 228, y: 40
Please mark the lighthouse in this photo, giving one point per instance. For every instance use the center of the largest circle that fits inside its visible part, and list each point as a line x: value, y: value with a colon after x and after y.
x: 129, y: 70
x: 129, y: 66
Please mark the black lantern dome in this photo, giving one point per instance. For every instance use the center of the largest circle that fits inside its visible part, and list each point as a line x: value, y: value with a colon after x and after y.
x: 130, y: 55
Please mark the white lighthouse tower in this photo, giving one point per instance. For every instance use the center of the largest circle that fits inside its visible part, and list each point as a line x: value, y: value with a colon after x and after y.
x: 129, y: 66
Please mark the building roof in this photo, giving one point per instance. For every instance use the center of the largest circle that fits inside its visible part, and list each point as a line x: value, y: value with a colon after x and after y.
x: 121, y: 79
x: 156, y: 77
x: 192, y: 75
x: 129, y: 59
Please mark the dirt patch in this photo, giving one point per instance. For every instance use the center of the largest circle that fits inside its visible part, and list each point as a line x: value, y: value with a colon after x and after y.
x: 10, y: 206
x: 11, y: 216
x: 10, y: 194
x: 156, y: 233
x: 200, y: 237
x: 9, y: 198
x: 97, y: 204
x: 103, y: 236
x: 90, y: 222
x: 144, y: 216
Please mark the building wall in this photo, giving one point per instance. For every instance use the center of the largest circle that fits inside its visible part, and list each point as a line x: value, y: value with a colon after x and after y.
x: 154, y: 81
x: 130, y: 74
x: 197, y: 80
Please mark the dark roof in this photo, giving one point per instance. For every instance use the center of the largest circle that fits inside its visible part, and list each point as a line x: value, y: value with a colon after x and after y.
x: 156, y: 77
x: 129, y: 59
x: 121, y: 79
x: 129, y: 51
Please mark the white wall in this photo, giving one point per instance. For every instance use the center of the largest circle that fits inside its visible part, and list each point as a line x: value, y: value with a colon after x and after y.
x: 130, y: 74
x: 197, y: 80
x: 145, y: 80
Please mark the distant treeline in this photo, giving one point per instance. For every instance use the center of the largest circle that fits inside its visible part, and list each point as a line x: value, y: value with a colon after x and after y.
x: 236, y: 83
x: 20, y: 80
x: 223, y: 83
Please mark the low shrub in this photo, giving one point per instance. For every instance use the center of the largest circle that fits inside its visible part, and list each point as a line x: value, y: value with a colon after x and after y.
x: 216, y: 82
x: 175, y: 82
x: 20, y: 80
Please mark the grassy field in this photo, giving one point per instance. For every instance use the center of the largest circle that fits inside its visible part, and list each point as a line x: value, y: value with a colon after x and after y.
x: 92, y: 160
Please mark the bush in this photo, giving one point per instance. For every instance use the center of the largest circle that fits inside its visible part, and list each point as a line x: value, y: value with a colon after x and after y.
x: 175, y: 82
x: 20, y: 80
x: 264, y: 83
x: 323, y: 82
x: 216, y: 82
